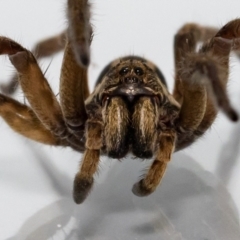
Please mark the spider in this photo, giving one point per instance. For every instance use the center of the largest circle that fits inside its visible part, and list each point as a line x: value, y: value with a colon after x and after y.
x: 130, y: 109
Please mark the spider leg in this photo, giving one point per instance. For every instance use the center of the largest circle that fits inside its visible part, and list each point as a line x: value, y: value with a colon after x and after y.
x: 226, y: 39
x: 185, y: 41
x: 51, y: 45
x: 80, y: 30
x: 150, y: 137
x: 151, y: 180
x: 201, y: 79
x: 24, y: 121
x: 73, y: 91
x: 44, y: 48
x: 113, y: 124
x: 37, y: 90
x: 84, y: 180
x: 115, y: 115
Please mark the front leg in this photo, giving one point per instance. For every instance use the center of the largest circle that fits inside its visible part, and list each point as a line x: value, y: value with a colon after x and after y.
x: 149, y: 183
x: 84, y: 180
x: 106, y: 129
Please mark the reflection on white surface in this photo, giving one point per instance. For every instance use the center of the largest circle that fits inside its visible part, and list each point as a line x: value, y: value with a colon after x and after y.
x: 36, y: 181
x: 190, y: 204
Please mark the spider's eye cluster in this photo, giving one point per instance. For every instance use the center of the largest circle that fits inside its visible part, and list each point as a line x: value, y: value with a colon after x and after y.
x: 124, y: 71
x: 138, y: 71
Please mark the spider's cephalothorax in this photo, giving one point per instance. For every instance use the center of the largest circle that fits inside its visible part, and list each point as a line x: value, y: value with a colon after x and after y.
x: 133, y: 106
x: 130, y: 108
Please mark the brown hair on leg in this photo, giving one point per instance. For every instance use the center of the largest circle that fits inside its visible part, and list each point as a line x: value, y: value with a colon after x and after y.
x: 73, y: 92
x: 24, y: 121
x: 80, y: 31
x: 84, y: 180
x: 44, y: 48
x: 151, y: 180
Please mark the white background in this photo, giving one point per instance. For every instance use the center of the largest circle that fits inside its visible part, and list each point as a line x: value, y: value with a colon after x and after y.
x: 123, y: 27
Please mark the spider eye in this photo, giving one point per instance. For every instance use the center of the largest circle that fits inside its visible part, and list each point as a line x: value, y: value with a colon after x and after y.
x: 138, y: 71
x: 124, y: 71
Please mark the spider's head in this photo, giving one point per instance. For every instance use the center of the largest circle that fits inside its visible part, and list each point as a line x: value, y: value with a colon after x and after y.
x: 130, y: 78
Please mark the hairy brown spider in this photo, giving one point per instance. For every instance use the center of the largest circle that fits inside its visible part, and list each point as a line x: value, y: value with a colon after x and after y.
x: 130, y: 108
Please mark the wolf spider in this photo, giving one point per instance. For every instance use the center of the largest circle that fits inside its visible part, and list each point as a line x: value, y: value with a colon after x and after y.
x: 130, y: 108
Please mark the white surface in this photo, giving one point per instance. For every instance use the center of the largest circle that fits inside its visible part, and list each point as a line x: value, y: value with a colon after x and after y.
x: 191, y: 204
x: 144, y: 28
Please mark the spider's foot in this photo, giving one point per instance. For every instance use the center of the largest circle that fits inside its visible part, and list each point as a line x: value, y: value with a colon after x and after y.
x: 81, y: 188
x: 7, y: 88
x: 141, y: 190
x: 231, y: 114
x: 82, y: 54
x: 2, y: 98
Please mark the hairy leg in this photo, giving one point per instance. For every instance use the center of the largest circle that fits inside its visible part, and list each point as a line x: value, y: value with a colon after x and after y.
x: 201, y: 79
x: 44, y: 48
x: 74, y: 81
x: 80, y: 31
x: 186, y: 41
x: 51, y: 45
x: 23, y: 120
x: 110, y: 125
x: 37, y: 90
x: 84, y: 180
x: 227, y: 39
x: 73, y: 92
x: 151, y: 180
